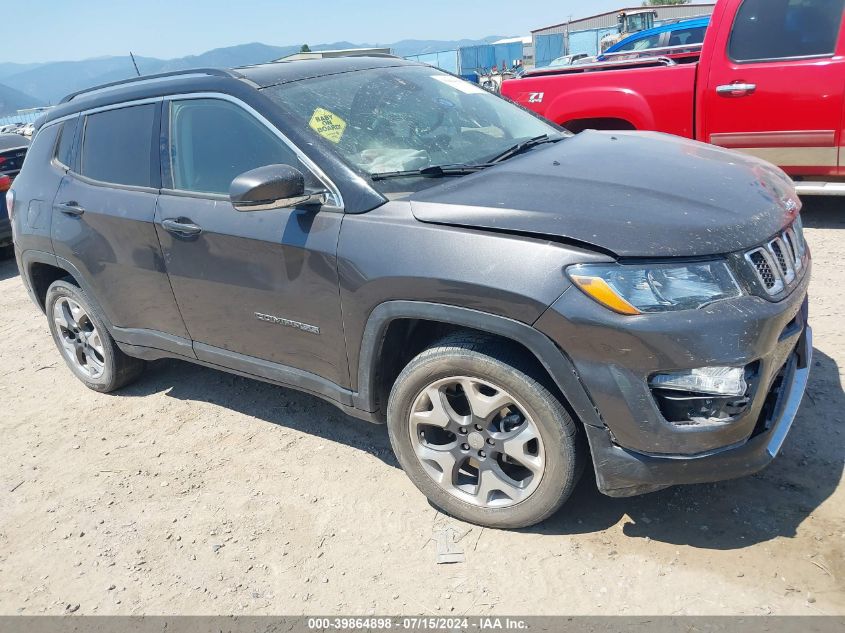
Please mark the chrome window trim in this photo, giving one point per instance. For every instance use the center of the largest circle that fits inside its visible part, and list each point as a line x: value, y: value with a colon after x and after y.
x: 310, y: 164
x: 316, y: 170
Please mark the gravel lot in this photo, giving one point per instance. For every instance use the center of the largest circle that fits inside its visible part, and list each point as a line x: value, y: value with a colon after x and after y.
x: 197, y: 492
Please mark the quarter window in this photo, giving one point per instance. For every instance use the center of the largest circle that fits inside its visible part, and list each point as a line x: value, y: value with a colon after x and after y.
x: 213, y: 141
x: 642, y: 44
x: 65, y: 146
x: 117, y: 147
x: 781, y: 29
x: 687, y: 37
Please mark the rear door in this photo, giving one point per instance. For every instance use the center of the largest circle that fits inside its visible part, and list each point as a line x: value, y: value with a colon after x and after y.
x: 776, y: 83
x: 103, y: 217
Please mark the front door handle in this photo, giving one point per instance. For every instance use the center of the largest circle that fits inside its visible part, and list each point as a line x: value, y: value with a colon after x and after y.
x: 736, y: 89
x: 69, y: 208
x: 181, y: 227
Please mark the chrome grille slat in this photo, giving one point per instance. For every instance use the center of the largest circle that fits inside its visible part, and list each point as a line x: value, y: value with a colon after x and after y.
x: 777, y: 264
x: 786, y: 266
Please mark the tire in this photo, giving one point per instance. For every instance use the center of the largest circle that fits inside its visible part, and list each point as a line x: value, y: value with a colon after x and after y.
x: 494, y: 374
x: 84, y: 341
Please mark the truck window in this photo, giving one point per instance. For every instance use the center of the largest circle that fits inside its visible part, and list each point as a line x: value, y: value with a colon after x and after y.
x: 642, y: 44
x: 782, y: 29
x: 687, y: 37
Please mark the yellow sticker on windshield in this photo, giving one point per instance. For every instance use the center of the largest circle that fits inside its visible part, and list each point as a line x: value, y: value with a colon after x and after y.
x: 328, y: 125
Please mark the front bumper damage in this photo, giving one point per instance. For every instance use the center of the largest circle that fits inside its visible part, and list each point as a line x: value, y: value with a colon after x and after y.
x: 635, y: 449
x: 623, y: 473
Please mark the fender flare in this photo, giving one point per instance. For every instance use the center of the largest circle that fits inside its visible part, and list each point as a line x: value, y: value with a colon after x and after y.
x: 601, y: 103
x: 30, y: 257
x: 27, y: 259
x: 552, y: 358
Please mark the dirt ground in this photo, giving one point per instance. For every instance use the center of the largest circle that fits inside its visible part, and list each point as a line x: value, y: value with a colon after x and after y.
x: 197, y: 492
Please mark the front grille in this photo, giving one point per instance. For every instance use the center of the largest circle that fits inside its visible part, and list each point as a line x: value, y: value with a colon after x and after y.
x: 765, y: 273
x: 777, y: 264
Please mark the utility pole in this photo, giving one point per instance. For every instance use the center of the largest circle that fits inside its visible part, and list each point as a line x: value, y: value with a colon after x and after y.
x: 566, y: 45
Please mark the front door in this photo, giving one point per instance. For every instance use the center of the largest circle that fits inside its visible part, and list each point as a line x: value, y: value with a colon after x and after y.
x: 258, y: 290
x: 776, y: 83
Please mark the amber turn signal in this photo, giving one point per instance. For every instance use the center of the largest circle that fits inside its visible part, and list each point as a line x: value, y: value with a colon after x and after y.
x: 599, y: 290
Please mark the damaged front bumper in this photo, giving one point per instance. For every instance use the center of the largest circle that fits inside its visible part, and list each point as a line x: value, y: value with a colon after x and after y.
x: 624, y: 473
x: 637, y: 446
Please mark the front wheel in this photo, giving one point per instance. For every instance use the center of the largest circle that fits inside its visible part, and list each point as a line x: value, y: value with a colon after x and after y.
x: 84, y: 342
x: 481, y: 436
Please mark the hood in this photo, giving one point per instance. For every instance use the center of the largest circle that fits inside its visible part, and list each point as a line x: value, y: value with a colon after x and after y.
x: 634, y: 194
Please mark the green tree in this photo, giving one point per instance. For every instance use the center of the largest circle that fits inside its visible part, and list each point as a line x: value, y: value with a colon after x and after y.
x: 305, y: 49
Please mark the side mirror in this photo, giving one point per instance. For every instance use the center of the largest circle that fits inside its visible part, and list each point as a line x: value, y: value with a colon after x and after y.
x: 272, y: 187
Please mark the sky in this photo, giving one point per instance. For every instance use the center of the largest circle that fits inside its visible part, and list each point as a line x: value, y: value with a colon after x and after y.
x: 54, y: 30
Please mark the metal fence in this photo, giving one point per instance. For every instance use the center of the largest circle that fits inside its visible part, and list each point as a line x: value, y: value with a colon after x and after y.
x: 23, y: 116
x: 447, y: 60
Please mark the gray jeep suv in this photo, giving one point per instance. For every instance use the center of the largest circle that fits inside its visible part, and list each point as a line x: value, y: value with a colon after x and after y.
x: 512, y: 300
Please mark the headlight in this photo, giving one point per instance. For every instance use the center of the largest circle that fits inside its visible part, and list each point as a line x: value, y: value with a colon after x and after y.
x: 634, y: 289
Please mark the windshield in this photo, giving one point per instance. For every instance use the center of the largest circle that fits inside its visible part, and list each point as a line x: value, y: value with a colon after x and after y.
x: 407, y: 118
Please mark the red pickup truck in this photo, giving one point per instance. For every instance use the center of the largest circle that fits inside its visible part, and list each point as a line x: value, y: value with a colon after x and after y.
x: 768, y: 80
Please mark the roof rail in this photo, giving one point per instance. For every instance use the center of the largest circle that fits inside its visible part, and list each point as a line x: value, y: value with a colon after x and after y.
x: 211, y: 72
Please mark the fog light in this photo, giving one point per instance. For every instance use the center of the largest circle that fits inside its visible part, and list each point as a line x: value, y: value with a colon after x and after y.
x: 719, y: 381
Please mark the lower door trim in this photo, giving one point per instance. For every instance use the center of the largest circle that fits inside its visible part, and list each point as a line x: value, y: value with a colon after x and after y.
x: 273, y: 372
x: 801, y: 148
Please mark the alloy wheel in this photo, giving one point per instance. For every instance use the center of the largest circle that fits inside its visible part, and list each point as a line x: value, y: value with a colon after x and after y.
x: 79, y: 337
x: 477, y: 442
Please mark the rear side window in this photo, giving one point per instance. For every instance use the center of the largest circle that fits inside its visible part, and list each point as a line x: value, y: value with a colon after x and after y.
x: 686, y: 37
x: 642, y: 44
x: 65, y: 147
x: 213, y: 141
x: 781, y: 29
x: 117, y: 145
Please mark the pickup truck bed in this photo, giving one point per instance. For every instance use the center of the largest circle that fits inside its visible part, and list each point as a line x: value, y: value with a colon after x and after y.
x: 768, y: 80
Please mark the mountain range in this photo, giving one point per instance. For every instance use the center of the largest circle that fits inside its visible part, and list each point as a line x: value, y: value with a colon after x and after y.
x: 30, y: 85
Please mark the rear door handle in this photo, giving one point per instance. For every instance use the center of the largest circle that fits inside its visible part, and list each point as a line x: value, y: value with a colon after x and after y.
x: 182, y: 227
x: 736, y: 90
x: 69, y: 208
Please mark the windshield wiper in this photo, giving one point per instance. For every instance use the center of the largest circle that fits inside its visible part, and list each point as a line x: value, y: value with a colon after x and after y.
x: 524, y: 146
x: 432, y: 171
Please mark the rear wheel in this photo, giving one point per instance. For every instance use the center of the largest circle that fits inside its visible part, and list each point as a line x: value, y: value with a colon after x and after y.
x: 481, y: 436
x: 84, y: 342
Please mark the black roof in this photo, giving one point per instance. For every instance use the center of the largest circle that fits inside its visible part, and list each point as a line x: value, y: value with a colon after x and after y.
x: 12, y: 141
x: 213, y: 80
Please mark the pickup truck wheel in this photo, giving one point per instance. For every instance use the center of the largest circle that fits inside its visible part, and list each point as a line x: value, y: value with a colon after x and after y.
x: 84, y: 342
x: 481, y: 436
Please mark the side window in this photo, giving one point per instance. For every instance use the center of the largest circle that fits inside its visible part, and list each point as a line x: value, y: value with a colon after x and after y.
x: 65, y: 144
x: 213, y: 141
x: 117, y: 145
x: 645, y: 43
x: 781, y: 29
x: 686, y: 37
